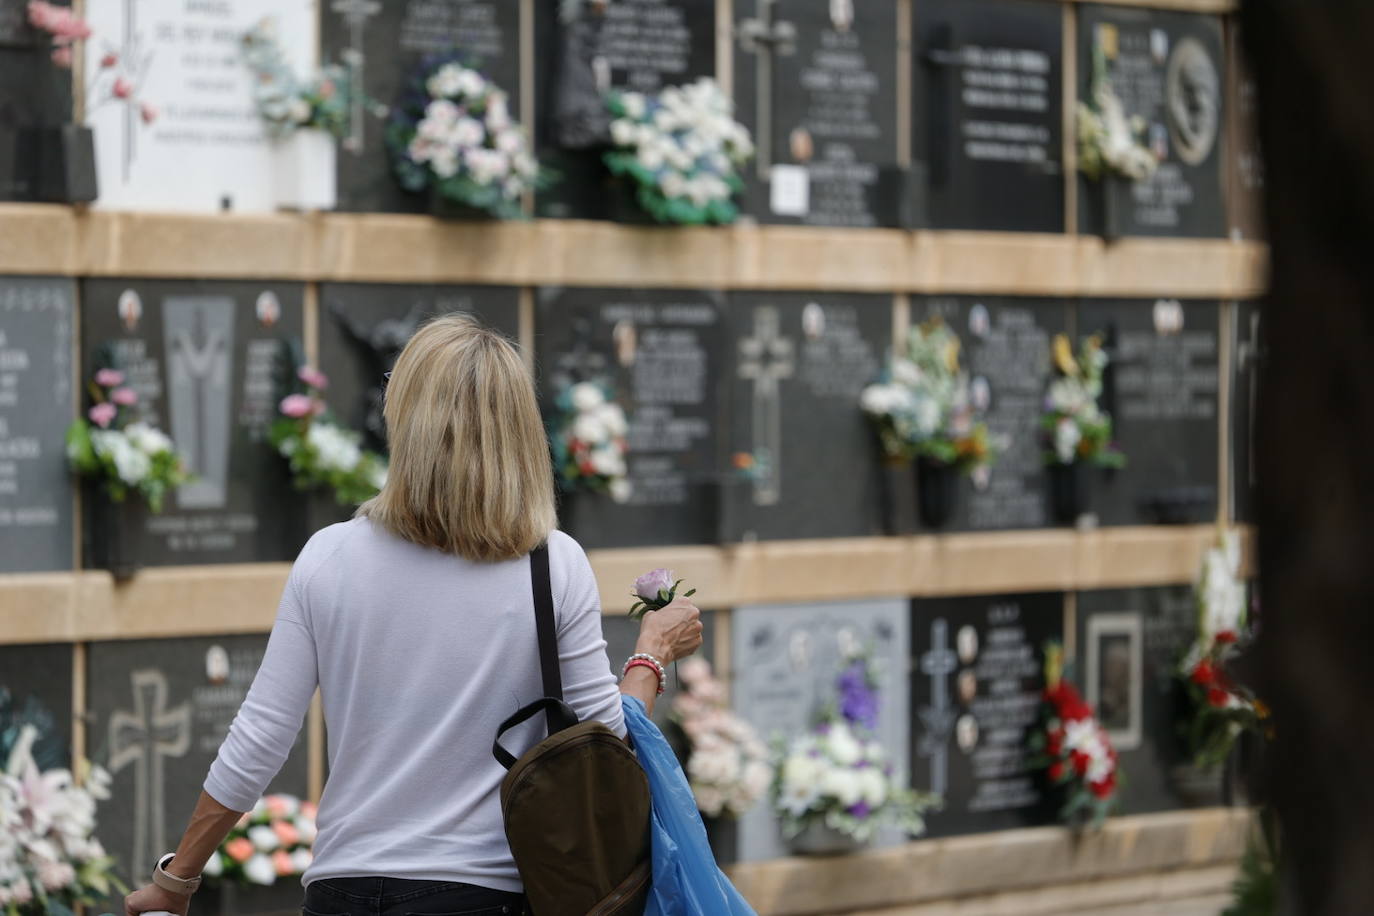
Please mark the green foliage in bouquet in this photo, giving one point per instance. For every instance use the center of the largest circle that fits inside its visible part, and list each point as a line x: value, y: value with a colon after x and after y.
x: 323, y: 454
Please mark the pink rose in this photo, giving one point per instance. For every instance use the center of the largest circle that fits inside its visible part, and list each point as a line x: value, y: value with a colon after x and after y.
x: 147, y: 113
x: 313, y: 377
x: 103, y: 415
x: 286, y: 832
x: 122, y: 88
x: 281, y: 862
x: 109, y: 378
x: 297, y: 406
x: 124, y: 397
x: 652, y: 582
x: 239, y: 849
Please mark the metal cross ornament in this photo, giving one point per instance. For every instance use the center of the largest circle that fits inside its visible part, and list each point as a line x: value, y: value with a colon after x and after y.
x: 355, y: 13
x: 766, y: 358
x: 937, y: 717
x: 765, y: 36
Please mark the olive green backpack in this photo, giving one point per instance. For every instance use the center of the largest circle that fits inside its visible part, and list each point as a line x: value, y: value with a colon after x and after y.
x: 576, y: 805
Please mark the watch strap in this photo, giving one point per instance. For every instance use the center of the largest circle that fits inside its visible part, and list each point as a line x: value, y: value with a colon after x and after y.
x: 169, y: 882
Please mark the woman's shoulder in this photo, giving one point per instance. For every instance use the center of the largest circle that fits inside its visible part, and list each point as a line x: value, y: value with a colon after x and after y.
x: 564, y: 548
x: 327, y: 543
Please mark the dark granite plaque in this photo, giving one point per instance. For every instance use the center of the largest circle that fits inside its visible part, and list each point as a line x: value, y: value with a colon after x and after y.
x: 661, y: 352
x: 1005, y: 349
x: 1130, y: 643
x: 583, y: 49
x: 621, y: 635
x: 43, y: 674
x: 1161, y: 389
x: 1167, y: 68
x: 158, y: 712
x: 786, y: 661
x: 387, y: 41
x: 34, y: 94
x: 1245, y: 170
x: 976, y: 681
x: 822, y: 106
x: 1247, y: 349
x: 363, y: 327
x: 210, y: 362
x: 798, y: 364
x: 37, y: 401
x: 987, y: 114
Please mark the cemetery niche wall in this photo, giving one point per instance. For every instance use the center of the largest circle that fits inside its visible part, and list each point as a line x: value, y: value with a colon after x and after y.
x: 381, y: 43
x: 816, y: 83
x: 977, y: 675
x: 1167, y: 68
x: 35, y: 112
x: 1130, y: 645
x: 988, y: 115
x: 1162, y: 391
x: 158, y: 711
x: 785, y: 663
x: 42, y: 674
x: 1005, y: 349
x: 209, y: 361
x: 803, y: 461
x: 37, y: 401
x: 659, y: 354
x: 583, y: 48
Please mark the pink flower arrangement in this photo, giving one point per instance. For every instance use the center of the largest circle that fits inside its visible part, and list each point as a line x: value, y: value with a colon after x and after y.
x: 272, y: 841
x: 64, y: 26
x: 321, y: 452
x: 727, y: 765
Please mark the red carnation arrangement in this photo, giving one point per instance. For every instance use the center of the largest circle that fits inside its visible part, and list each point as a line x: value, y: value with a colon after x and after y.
x: 1073, y: 749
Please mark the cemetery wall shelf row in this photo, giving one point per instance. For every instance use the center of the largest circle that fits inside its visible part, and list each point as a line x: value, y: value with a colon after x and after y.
x: 58, y: 241
x: 1198, y: 849
x: 203, y: 600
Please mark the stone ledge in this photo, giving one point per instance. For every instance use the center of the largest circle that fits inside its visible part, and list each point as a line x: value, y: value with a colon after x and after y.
x: 341, y: 247
x: 1195, y: 844
x: 191, y: 600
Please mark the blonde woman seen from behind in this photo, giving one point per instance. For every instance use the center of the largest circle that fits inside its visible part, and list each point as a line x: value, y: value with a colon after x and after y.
x: 415, y: 621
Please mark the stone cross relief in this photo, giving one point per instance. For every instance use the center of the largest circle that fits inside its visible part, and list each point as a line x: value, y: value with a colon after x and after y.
x: 355, y: 13
x: 938, y: 663
x: 766, y: 358
x: 765, y: 36
x: 144, y: 737
x: 199, y: 333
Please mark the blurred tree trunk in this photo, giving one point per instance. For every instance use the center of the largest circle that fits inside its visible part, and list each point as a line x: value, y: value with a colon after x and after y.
x: 1314, y: 65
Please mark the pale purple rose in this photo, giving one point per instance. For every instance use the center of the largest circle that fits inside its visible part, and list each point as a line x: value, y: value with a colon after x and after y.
x: 103, y: 415
x: 313, y: 377
x: 109, y: 378
x: 297, y: 406
x: 124, y: 397
x: 652, y: 582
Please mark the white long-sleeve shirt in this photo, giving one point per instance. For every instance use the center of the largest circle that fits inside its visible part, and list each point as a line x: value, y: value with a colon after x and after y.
x: 419, y: 656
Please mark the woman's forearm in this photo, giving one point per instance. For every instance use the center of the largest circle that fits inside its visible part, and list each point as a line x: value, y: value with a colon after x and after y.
x: 642, y: 684
x: 210, y: 824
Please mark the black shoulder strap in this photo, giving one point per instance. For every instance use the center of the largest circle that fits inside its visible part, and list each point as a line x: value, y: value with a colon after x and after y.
x: 546, y: 628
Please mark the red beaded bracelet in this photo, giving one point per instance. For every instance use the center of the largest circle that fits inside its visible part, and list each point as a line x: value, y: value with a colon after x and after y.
x: 645, y: 663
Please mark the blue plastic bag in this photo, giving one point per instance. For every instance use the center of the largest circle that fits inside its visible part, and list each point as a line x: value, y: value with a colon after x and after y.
x: 687, y: 881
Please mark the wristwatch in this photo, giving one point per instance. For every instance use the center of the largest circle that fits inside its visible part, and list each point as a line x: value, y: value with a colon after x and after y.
x: 162, y: 879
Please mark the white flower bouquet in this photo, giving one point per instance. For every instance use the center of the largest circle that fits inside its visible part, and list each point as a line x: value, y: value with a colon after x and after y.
x: 589, y: 445
x: 1074, y: 427
x: 274, y: 840
x: 921, y: 407
x: 50, y: 860
x: 1108, y: 141
x: 682, y: 150
x: 126, y: 455
x: 452, y: 134
x: 727, y: 765
x: 321, y: 452
x: 286, y: 103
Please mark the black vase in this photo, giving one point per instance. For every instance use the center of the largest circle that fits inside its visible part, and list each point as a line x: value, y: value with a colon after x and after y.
x: 897, y: 498
x: 936, y: 492
x: 440, y: 207
x: 66, y: 164
x: 622, y: 198
x: 1068, y: 491
x: 723, y: 835
x: 116, y: 535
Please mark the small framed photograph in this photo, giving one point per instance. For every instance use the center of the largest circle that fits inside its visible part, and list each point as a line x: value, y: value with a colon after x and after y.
x: 1115, y: 675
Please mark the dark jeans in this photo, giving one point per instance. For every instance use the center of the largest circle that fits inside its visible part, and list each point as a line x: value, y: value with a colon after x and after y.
x: 406, y: 897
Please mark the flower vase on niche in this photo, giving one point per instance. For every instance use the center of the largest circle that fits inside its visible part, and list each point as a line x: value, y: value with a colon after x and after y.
x: 937, y: 491
x: 305, y: 169
x: 116, y: 533
x: 818, y: 839
x: 898, y: 500
x: 1068, y: 491
x: 450, y: 210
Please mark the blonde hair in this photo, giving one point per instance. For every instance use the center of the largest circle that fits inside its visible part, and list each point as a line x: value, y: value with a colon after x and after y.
x: 470, y: 469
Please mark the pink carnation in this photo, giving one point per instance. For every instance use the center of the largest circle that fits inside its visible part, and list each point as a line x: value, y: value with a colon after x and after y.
x: 124, y: 397
x: 286, y: 832
x: 297, y: 406
x: 281, y: 861
x: 59, y: 21
x: 103, y: 415
x: 109, y: 378
x: 313, y: 377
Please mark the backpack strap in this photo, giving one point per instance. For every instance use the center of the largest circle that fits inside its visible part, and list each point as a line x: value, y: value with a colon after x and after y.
x: 545, y: 626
